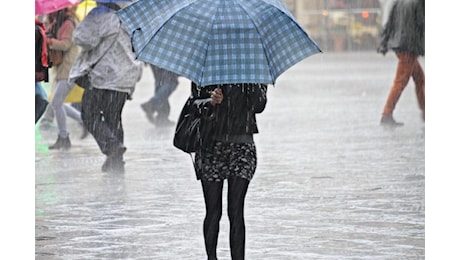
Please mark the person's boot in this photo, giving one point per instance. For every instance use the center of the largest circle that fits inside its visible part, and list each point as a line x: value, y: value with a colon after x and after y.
x: 107, y: 164
x: 147, y: 108
x: 62, y: 143
x: 389, y: 121
x: 113, y: 164
x: 114, y: 161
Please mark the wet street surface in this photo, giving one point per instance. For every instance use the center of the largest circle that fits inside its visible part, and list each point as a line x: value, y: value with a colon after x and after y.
x: 331, y: 183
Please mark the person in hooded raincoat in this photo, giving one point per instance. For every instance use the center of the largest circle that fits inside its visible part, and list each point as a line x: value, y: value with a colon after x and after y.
x: 106, y: 48
x: 404, y: 33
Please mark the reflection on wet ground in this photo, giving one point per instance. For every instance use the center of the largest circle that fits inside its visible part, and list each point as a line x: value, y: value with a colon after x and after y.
x: 330, y: 183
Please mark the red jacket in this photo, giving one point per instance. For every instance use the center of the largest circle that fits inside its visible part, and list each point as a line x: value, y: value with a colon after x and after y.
x: 41, y: 52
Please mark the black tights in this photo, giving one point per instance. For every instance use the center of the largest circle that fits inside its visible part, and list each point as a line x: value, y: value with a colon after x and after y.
x: 212, y: 191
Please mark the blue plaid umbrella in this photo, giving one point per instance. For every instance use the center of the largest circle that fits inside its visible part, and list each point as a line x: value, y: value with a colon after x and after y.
x: 218, y: 41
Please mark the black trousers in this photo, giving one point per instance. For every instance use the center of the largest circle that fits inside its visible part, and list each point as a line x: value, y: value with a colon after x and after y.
x: 101, y: 113
x: 212, y: 191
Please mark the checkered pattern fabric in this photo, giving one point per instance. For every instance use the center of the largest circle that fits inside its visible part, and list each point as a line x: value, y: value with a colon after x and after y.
x: 218, y: 41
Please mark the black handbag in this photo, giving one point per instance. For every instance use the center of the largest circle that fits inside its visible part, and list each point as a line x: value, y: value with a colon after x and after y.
x: 187, y: 135
x: 83, y: 81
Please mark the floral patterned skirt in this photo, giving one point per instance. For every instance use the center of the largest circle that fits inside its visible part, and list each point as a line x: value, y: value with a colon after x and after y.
x: 221, y: 160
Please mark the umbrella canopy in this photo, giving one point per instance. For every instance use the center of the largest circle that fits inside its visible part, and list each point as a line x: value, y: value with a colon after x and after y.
x: 84, y: 8
x: 48, y: 6
x: 218, y: 41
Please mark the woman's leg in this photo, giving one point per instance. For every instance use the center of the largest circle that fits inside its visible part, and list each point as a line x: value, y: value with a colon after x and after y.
x: 419, y: 79
x: 237, y: 188
x: 73, y: 113
x: 212, y: 191
x: 61, y: 91
x: 404, y: 71
x: 47, y: 118
x: 402, y: 77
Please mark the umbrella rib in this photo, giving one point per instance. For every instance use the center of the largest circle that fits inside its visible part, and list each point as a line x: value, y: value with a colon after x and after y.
x: 264, y: 49
x: 207, y: 47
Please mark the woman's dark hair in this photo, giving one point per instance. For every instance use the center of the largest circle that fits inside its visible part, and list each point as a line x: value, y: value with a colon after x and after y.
x: 60, y: 17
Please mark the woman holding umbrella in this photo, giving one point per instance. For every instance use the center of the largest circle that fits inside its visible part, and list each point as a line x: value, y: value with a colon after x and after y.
x: 61, y: 25
x: 230, y: 51
x: 228, y: 153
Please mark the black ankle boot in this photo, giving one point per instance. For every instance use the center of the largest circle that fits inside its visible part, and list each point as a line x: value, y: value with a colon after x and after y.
x: 62, y: 143
x: 113, y: 164
x: 114, y: 161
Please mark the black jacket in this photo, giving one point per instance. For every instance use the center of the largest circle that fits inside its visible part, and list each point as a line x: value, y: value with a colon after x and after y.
x: 405, y: 29
x: 234, y: 119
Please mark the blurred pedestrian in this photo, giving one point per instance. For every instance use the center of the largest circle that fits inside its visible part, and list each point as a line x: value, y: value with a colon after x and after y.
x: 404, y: 33
x: 41, y: 69
x: 74, y: 96
x: 228, y: 152
x: 61, y: 25
x: 165, y: 84
x: 106, y: 47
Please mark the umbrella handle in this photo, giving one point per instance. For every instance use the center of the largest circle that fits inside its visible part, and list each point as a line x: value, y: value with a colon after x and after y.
x: 132, y: 37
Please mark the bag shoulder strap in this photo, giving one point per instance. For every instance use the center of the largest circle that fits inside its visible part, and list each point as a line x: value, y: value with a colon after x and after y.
x: 110, y: 46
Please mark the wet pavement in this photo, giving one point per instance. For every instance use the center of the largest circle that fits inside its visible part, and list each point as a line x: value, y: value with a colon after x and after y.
x: 331, y: 183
